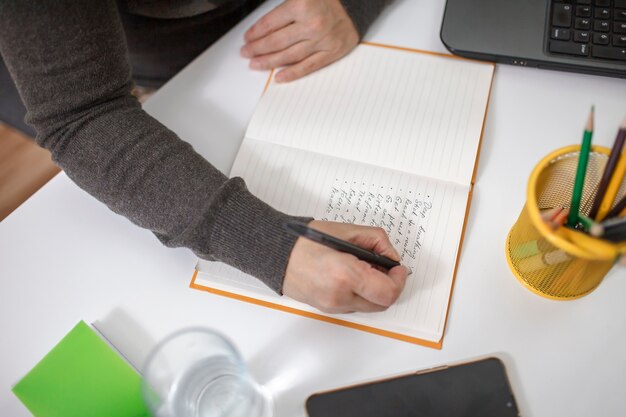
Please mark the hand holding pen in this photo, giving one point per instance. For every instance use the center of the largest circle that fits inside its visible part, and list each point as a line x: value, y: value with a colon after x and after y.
x: 338, y: 282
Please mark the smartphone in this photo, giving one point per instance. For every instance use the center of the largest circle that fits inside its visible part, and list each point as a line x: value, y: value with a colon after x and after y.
x: 477, y: 389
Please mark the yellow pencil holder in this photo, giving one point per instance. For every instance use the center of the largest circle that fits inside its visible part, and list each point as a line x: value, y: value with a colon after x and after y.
x: 562, y: 263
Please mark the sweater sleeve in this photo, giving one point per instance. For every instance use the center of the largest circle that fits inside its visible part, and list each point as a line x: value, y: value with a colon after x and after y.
x: 69, y: 61
x: 364, y: 12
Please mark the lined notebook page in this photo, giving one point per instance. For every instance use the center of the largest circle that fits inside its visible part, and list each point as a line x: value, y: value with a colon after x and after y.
x: 413, y: 112
x: 423, y: 217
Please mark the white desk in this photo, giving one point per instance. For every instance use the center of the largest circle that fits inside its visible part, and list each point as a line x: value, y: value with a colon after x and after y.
x: 66, y: 257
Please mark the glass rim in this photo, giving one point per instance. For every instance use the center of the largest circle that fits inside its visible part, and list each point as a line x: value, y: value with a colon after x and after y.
x: 187, y: 330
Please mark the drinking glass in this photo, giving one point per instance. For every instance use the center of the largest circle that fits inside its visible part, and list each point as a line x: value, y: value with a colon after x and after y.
x: 197, y: 372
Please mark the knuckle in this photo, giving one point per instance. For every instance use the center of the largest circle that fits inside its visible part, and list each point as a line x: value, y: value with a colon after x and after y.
x: 380, y: 233
x: 309, y: 66
x: 263, y: 25
x: 252, y: 48
x: 341, y: 283
x: 301, y: 7
x: 316, y: 24
x: 292, y: 55
x: 272, y: 44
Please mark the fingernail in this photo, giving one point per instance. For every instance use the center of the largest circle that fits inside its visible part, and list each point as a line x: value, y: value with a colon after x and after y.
x: 244, y: 52
x: 254, y: 64
x: 280, y: 77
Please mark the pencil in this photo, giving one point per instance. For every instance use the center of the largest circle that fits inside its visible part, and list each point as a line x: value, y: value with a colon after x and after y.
x: 559, y: 219
x: 613, y: 188
x: 599, y: 229
x: 583, y: 160
x: 615, y: 234
x: 586, y: 222
x: 548, y: 214
x: 618, y: 209
x: 611, y: 164
x: 554, y: 217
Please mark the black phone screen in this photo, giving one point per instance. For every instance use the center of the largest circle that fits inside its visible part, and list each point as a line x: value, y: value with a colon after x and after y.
x: 475, y: 389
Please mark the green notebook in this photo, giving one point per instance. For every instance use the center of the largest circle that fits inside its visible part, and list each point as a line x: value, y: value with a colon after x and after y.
x: 82, y: 376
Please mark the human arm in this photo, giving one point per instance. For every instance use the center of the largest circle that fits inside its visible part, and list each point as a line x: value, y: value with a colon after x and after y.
x: 306, y: 35
x: 69, y: 61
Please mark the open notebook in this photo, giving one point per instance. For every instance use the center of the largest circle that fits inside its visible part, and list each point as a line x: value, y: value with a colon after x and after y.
x: 386, y: 137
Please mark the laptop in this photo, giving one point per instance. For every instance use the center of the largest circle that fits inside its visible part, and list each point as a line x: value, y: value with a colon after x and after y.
x: 585, y: 36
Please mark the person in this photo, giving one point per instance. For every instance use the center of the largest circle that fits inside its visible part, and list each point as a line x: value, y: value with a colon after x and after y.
x: 72, y: 68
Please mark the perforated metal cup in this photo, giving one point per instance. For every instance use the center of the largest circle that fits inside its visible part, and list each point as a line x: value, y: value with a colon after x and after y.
x: 560, y: 263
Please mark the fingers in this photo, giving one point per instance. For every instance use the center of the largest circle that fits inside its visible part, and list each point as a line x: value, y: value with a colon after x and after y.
x: 362, y: 305
x: 306, y: 35
x: 398, y: 275
x: 304, y: 67
x: 367, y: 237
x: 375, y: 239
x: 280, y: 17
x: 377, y: 287
x: 274, y: 42
x: 293, y: 54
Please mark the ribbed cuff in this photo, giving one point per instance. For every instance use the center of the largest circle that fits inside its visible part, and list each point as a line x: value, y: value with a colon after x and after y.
x: 364, y: 12
x: 248, y: 234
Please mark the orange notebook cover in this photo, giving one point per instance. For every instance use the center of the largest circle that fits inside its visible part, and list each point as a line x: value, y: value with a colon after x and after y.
x: 387, y: 137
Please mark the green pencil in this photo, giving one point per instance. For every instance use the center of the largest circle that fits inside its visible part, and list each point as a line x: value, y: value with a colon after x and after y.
x: 583, y: 159
x: 586, y: 222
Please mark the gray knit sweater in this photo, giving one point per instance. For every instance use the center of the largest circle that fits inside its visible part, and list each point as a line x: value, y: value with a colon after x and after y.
x: 70, y: 63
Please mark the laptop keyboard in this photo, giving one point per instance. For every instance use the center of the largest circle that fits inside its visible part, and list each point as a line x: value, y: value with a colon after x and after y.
x: 594, y: 29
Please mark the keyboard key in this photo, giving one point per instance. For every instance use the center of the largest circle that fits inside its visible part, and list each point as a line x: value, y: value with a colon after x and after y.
x: 620, y: 4
x: 562, y: 15
x: 619, y: 27
x: 583, y: 11
x: 602, y: 13
x: 601, y: 25
x: 569, y: 48
x: 619, y: 40
x: 602, y: 3
x: 561, y: 34
x: 600, y: 38
x: 608, y: 52
x: 582, y: 23
x: 580, y: 36
x: 619, y: 15
x: 583, y: 1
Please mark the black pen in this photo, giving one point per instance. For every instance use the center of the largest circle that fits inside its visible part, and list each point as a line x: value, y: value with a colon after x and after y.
x: 302, y: 230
